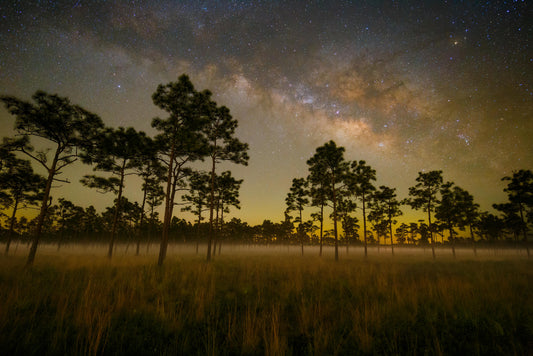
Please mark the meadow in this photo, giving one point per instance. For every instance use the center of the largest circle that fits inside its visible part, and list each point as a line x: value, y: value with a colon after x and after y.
x: 265, y: 301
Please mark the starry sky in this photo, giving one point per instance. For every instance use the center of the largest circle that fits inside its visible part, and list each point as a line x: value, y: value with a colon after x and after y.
x: 407, y: 86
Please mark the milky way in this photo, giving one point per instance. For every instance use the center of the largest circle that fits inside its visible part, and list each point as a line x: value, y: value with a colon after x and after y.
x: 407, y: 86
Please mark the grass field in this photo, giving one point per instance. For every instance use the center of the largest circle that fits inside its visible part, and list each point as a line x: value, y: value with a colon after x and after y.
x: 255, y: 301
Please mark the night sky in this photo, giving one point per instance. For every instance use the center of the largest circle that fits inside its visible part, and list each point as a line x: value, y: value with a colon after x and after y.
x: 405, y: 85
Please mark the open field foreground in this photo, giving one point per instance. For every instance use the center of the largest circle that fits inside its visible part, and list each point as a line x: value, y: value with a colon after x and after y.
x: 252, y: 301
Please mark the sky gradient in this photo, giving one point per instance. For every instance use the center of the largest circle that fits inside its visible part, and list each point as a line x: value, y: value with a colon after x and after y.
x: 407, y: 86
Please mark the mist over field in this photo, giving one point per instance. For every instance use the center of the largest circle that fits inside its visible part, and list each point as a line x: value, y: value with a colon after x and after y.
x: 92, y: 251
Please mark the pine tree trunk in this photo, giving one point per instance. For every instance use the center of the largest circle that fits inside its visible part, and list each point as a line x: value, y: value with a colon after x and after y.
x: 335, y: 219
x: 117, y: 212
x: 44, y: 208
x: 321, y: 227
x: 364, y: 226
x: 300, y: 232
x: 524, y: 229
x: 211, y: 207
x: 390, y: 230
x: 452, y: 239
x: 168, y: 211
x: 431, y: 232
x: 141, y: 224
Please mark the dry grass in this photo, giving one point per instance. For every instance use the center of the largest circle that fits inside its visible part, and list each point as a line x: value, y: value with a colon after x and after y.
x: 263, y: 303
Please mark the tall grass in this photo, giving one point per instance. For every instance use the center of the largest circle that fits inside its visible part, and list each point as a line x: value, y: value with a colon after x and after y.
x: 261, y: 304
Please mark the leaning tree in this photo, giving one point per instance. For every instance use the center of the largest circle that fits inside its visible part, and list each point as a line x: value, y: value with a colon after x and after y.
x: 67, y: 129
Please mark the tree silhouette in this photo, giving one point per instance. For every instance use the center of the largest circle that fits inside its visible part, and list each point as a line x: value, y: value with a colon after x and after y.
x: 7, y: 157
x: 180, y: 140
x: 296, y: 200
x: 328, y: 165
x: 69, y: 216
x: 349, y: 223
x: 128, y: 218
x: 424, y: 196
x: 131, y: 214
x: 197, y: 199
x: 512, y: 222
x: 116, y: 152
x: 449, y: 210
x: 490, y: 226
x: 239, y: 230
x: 520, y: 194
x: 226, y: 195
x: 318, y: 191
x: 360, y: 184
x: 91, y: 222
x: 414, y: 230
x: 69, y: 128
x: 469, y: 212
x: 152, y: 174
x: 221, y: 146
x: 402, y: 233
x: 155, y: 196
x: 386, y: 207
x: 19, y: 188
